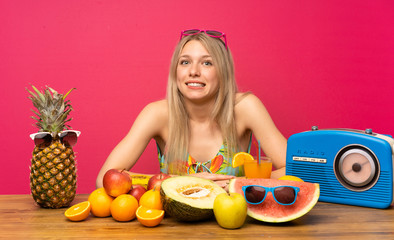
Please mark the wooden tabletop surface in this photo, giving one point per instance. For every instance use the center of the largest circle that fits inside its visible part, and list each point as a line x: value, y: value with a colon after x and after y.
x: 21, y: 218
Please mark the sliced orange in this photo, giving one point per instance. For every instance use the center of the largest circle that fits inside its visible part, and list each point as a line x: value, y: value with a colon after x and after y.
x: 291, y: 178
x: 240, y: 158
x: 149, y: 217
x: 78, y: 212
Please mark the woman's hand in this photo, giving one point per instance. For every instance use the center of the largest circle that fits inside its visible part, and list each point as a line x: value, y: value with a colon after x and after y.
x: 219, y: 179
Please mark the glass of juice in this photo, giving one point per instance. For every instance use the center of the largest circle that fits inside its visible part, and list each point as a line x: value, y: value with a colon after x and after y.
x: 254, y: 169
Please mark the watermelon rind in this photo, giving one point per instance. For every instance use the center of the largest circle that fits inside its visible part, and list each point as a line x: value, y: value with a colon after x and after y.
x: 266, y: 214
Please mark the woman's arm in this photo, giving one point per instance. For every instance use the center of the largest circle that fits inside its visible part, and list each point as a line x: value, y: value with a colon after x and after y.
x: 150, y: 123
x: 251, y: 114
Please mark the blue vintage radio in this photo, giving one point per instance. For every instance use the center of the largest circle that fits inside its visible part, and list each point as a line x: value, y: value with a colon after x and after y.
x: 353, y: 167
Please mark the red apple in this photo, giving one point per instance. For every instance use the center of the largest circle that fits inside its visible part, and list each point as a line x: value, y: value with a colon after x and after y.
x: 117, y: 182
x: 155, y: 181
x: 137, y: 191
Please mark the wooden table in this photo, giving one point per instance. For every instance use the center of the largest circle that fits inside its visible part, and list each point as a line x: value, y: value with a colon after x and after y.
x: 21, y: 218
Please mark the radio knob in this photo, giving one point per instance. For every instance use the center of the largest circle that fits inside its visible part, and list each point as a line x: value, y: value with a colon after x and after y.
x: 368, y: 131
x: 356, y: 167
x: 314, y: 128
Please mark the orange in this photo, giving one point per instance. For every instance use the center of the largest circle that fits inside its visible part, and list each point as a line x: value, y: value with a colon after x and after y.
x: 78, y: 212
x: 100, y: 202
x: 291, y: 178
x: 240, y: 158
x: 149, y: 217
x: 123, y: 208
x: 151, y: 199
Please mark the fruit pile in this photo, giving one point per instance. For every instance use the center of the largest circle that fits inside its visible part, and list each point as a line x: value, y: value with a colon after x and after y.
x: 123, y: 200
x: 188, y: 198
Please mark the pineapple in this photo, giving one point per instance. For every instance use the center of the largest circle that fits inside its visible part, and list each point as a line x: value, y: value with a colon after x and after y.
x: 52, y: 172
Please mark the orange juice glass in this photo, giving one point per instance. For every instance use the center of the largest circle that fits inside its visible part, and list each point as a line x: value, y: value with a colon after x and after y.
x: 255, y: 170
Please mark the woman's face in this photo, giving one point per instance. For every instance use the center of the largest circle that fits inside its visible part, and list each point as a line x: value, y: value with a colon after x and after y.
x: 196, y: 75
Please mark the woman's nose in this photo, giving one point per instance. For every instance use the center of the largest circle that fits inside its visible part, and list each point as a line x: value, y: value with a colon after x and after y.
x: 194, y: 70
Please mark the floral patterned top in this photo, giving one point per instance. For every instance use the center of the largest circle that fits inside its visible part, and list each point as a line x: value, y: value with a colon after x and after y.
x: 220, y: 164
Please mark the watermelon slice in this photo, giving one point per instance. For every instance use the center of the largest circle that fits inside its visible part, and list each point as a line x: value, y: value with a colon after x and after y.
x: 270, y: 210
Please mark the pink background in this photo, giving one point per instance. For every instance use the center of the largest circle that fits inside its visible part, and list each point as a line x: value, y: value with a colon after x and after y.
x: 325, y: 63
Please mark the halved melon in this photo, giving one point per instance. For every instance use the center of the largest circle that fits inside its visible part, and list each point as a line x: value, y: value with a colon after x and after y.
x: 189, y: 198
x: 270, y: 210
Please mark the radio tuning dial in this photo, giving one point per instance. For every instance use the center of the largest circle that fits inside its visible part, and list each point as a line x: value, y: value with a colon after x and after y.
x: 314, y: 128
x: 368, y: 131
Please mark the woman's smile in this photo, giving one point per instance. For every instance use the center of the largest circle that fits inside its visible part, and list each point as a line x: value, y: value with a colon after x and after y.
x: 195, y: 85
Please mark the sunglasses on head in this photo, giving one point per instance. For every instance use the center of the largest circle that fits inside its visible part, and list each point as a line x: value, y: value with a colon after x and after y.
x: 284, y: 195
x: 44, y: 139
x: 211, y: 33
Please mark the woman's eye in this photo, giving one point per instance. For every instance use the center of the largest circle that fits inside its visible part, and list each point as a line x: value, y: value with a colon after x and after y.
x: 183, y: 62
x: 207, y: 63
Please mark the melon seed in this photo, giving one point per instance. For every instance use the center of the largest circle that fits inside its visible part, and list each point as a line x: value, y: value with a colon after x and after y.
x: 195, y: 192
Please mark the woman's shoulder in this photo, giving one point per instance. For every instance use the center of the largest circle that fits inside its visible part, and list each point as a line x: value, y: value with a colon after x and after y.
x: 157, y: 110
x: 158, y: 107
x: 153, y: 118
x: 160, y: 103
x: 248, y: 106
x: 246, y: 99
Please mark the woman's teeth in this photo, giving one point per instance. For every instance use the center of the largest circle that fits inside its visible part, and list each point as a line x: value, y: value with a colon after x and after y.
x: 195, y: 84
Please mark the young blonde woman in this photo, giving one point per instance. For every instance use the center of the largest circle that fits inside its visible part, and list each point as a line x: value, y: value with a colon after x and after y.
x: 204, y: 120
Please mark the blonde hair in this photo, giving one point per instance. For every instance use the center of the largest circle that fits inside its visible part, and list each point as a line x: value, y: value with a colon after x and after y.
x: 223, y: 112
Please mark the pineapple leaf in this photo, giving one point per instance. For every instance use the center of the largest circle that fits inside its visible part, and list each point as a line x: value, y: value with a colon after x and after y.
x: 68, y: 93
x: 33, y: 96
x: 39, y: 93
x: 52, y: 90
x: 36, y: 113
